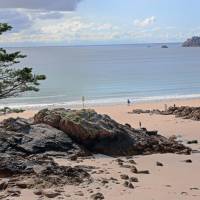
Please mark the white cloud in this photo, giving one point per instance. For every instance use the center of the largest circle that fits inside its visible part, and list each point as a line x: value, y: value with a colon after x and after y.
x: 67, y: 27
x: 145, y: 22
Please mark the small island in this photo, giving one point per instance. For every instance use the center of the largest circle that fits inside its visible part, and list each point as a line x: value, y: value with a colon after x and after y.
x: 192, y: 42
x: 164, y: 46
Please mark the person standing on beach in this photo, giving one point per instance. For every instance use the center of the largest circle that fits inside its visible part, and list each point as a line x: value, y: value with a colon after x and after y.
x: 83, y: 102
x: 128, y: 102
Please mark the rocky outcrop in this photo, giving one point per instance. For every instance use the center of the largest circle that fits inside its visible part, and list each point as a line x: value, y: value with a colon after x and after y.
x: 184, y: 112
x: 26, y: 151
x: 38, y: 171
x: 20, y: 136
x: 192, y: 42
x: 101, y: 134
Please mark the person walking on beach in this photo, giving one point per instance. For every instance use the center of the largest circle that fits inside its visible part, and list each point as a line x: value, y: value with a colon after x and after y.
x: 128, y: 102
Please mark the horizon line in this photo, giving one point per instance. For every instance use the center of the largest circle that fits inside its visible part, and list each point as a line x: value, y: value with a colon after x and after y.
x: 87, y: 45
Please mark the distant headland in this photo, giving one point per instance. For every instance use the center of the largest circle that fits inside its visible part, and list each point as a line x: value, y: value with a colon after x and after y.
x: 192, y: 42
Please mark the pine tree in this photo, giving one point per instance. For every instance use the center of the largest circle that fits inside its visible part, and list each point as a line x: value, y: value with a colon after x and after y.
x: 15, y: 81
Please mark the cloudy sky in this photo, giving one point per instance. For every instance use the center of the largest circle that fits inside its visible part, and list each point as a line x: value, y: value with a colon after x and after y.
x: 77, y: 22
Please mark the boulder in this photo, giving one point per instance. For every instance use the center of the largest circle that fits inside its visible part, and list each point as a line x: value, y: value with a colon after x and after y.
x: 19, y: 136
x: 101, y: 134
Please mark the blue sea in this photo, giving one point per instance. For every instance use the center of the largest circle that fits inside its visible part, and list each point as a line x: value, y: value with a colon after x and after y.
x: 110, y: 74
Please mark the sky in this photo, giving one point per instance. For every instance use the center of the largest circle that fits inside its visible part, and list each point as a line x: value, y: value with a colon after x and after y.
x: 85, y: 22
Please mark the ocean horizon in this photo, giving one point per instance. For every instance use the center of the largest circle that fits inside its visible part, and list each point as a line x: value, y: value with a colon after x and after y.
x: 106, y: 74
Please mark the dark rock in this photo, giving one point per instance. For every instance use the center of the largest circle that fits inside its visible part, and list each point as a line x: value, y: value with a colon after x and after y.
x: 134, y: 179
x: 143, y: 172
x: 192, y: 42
x: 194, y: 188
x: 22, y: 184
x: 126, y: 183
x: 134, y: 169
x: 37, y: 192
x: 192, y: 142
x: 159, y: 164
x: 188, y: 161
x: 19, y: 136
x: 100, y: 134
x: 164, y: 46
x: 132, y: 162
x: 130, y: 185
x: 184, y: 193
x: 97, y: 196
x: 124, y: 176
x: 14, y: 192
x: 184, y: 112
x: 42, y: 170
x: 140, y: 111
x: 3, y: 184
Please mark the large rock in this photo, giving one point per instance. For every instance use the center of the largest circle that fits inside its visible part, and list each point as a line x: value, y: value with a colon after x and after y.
x: 101, y: 134
x: 192, y: 42
x: 19, y: 136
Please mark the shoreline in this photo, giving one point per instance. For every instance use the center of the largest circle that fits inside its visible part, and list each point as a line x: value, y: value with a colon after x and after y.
x: 111, y: 109
x: 103, y: 103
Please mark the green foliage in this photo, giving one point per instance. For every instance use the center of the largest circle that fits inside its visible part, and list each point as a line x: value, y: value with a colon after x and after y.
x: 4, y: 27
x: 15, y: 81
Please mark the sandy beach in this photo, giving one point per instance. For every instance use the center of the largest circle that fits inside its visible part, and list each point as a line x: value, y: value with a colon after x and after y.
x: 174, y: 180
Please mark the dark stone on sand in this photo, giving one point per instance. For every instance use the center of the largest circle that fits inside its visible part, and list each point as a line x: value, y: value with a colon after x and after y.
x: 130, y: 185
x: 188, y: 161
x: 19, y: 136
x: 97, y: 196
x: 100, y: 134
x: 3, y: 184
x: 41, y: 169
x: 159, y: 164
x: 143, y: 172
x: 126, y: 183
x: 124, y: 176
x: 192, y: 142
x: 134, y: 179
x: 184, y: 112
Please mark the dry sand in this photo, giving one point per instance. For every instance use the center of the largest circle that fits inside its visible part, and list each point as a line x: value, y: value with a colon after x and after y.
x: 175, y: 180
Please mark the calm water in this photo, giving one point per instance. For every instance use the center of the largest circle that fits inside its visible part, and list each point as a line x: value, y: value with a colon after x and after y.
x: 105, y: 74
